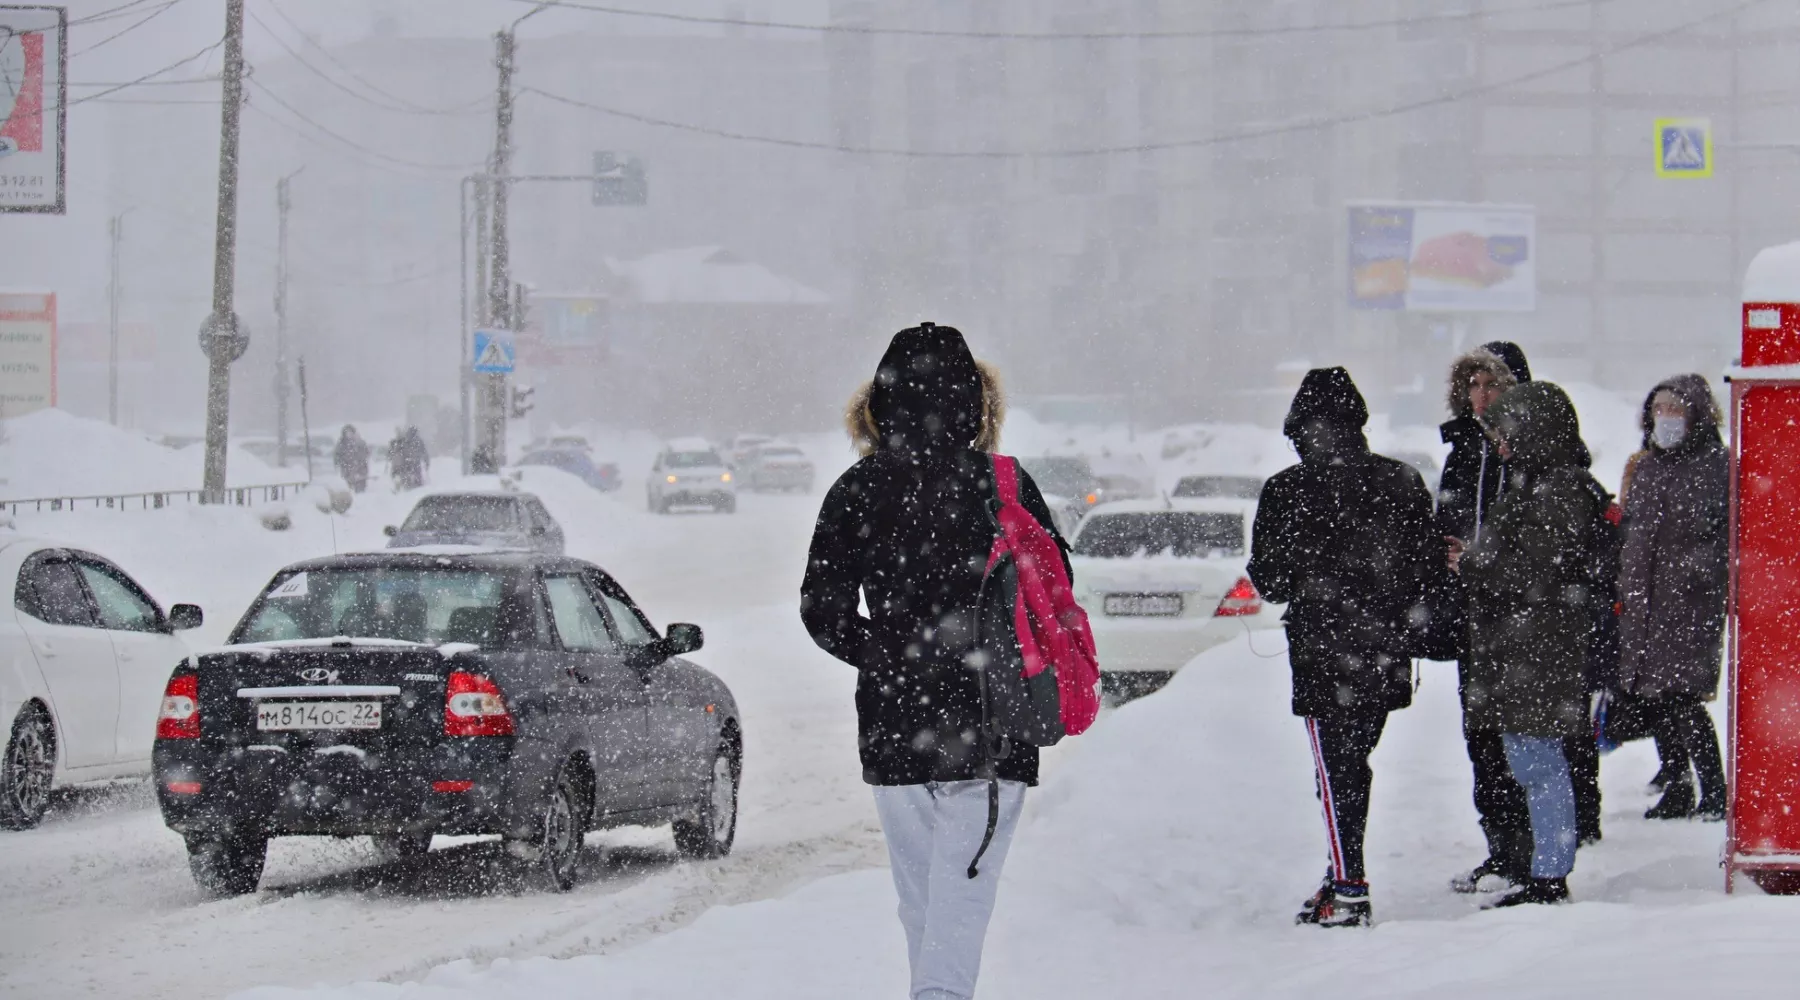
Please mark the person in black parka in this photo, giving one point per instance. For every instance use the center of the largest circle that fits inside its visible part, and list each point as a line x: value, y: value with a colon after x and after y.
x: 1345, y: 540
x: 1673, y: 582
x: 906, y: 533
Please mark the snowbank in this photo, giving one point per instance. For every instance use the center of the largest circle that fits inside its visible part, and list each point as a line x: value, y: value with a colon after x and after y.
x: 51, y: 453
x: 1166, y: 856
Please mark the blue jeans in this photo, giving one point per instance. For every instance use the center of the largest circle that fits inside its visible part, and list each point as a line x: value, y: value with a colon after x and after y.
x: 1538, y: 764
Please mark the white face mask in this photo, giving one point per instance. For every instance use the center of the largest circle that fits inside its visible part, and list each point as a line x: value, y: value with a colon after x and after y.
x: 1668, y: 432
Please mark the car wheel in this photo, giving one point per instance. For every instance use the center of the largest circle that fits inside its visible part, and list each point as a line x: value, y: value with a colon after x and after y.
x: 555, y: 848
x: 728, y: 505
x: 398, y: 848
x: 1126, y: 685
x: 227, y: 865
x: 26, y: 771
x: 713, y: 830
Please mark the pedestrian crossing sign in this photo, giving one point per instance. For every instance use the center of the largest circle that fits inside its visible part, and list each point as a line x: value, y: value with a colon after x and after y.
x: 493, y: 352
x: 1684, y: 147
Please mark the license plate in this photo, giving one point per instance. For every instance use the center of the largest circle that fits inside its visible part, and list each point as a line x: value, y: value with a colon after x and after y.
x: 300, y: 715
x: 1143, y: 605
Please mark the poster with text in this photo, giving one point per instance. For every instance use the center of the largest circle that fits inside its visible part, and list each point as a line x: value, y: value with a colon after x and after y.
x: 33, y: 101
x: 1443, y: 257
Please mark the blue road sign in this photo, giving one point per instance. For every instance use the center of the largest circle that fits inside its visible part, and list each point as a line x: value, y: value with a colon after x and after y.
x: 494, y: 352
x: 1684, y: 147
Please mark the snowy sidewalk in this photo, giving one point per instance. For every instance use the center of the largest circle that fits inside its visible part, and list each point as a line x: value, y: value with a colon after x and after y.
x: 1167, y: 855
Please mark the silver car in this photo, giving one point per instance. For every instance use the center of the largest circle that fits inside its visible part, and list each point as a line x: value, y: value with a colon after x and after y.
x: 689, y: 472
x: 487, y: 520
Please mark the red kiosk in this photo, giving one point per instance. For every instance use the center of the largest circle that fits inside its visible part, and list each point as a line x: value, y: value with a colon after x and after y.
x: 1763, y: 826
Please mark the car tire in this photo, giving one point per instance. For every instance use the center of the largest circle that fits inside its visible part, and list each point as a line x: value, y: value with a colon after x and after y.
x: 227, y: 865
x: 1124, y: 686
x: 713, y: 829
x: 555, y: 846
x: 27, y: 770
x: 727, y: 506
x: 401, y: 848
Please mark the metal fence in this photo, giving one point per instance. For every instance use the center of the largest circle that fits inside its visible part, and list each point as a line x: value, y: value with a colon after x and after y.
x: 239, y: 496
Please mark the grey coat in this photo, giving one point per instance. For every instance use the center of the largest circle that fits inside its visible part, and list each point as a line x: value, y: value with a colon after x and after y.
x: 1673, y: 569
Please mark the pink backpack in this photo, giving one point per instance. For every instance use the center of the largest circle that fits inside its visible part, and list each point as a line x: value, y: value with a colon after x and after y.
x: 1051, y: 688
x: 1039, y: 677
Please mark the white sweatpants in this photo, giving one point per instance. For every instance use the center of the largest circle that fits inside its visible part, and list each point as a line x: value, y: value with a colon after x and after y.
x: 933, y: 831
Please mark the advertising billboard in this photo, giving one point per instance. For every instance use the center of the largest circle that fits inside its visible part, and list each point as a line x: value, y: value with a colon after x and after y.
x: 1442, y: 257
x: 27, y: 352
x: 33, y: 103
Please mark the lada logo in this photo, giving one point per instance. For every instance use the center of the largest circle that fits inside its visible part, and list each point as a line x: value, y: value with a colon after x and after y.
x: 319, y: 675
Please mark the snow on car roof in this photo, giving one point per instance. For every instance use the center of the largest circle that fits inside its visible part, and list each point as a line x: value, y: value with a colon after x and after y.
x: 689, y: 444
x: 1220, y: 505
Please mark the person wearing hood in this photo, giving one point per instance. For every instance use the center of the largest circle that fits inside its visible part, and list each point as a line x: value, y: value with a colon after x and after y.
x: 906, y: 533
x: 352, y: 459
x: 1345, y: 540
x: 1473, y: 478
x: 1673, y: 579
x: 1530, y: 582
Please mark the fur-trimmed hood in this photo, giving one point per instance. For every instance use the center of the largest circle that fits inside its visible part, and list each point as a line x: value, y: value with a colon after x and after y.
x: 859, y: 416
x: 1464, y: 370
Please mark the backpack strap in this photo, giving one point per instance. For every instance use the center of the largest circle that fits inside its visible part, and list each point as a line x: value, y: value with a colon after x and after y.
x: 1006, y: 479
x: 993, y: 823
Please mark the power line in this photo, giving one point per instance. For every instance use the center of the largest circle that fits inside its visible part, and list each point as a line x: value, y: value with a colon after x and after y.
x: 1056, y: 36
x: 145, y: 83
x: 405, y: 104
x: 353, y: 144
x: 146, y: 78
x: 128, y: 29
x: 335, y: 82
x: 112, y: 13
x: 1264, y: 132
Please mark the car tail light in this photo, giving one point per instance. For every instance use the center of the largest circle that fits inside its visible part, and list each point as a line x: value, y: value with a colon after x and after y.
x: 183, y: 787
x: 1242, y: 599
x: 452, y: 786
x: 180, y: 716
x: 473, y: 706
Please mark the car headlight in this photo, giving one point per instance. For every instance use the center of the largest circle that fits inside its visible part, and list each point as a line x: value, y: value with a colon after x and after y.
x: 724, y: 477
x: 671, y: 479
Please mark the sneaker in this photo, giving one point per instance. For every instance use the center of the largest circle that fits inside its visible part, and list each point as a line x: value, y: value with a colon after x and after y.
x: 1546, y: 891
x: 1484, y: 877
x: 1341, y: 904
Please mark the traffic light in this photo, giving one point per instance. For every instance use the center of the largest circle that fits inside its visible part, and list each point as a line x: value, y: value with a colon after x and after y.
x: 521, y: 401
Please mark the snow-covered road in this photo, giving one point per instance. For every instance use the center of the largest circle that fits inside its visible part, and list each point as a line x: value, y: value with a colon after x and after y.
x: 99, y: 901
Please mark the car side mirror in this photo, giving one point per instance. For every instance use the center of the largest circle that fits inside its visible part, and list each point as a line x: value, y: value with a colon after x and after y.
x: 183, y: 617
x: 390, y: 531
x: 684, y: 638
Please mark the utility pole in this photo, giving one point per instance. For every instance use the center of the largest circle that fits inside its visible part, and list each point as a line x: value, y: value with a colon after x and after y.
x: 115, y: 231
x: 490, y: 389
x: 223, y: 338
x: 282, y: 204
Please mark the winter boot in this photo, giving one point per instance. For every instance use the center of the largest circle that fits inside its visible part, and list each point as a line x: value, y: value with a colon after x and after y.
x: 1659, y: 783
x: 1535, y: 890
x: 1677, y: 801
x: 1711, y: 809
x: 1338, y: 904
x: 1489, y: 876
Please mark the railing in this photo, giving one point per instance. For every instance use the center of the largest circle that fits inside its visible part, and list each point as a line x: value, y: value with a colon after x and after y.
x: 240, y: 496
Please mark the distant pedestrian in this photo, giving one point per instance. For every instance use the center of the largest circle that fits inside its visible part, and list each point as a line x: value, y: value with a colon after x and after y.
x: 1673, y: 583
x: 1473, y: 479
x: 1345, y: 540
x: 352, y: 459
x: 407, y: 459
x: 1530, y: 584
x: 906, y: 534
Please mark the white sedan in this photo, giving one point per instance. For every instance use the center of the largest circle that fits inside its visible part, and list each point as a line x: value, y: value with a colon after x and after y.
x: 84, y: 656
x: 1162, y: 582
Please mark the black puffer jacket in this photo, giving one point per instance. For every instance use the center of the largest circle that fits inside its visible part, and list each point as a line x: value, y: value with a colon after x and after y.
x: 1674, y: 570
x: 1345, y: 540
x: 907, y: 530
x: 1531, y: 578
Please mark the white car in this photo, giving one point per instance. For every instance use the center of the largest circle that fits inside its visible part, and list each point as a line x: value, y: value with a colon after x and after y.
x: 690, y: 472
x: 84, y: 656
x: 1162, y: 582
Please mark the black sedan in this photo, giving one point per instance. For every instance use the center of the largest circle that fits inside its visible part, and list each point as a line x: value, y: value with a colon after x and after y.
x: 401, y: 695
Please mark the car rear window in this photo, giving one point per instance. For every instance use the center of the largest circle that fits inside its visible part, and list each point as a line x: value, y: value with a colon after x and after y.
x: 1063, y: 477
x: 1228, y: 487
x: 429, y: 605
x: 692, y: 460
x: 464, y: 513
x: 1184, y: 534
